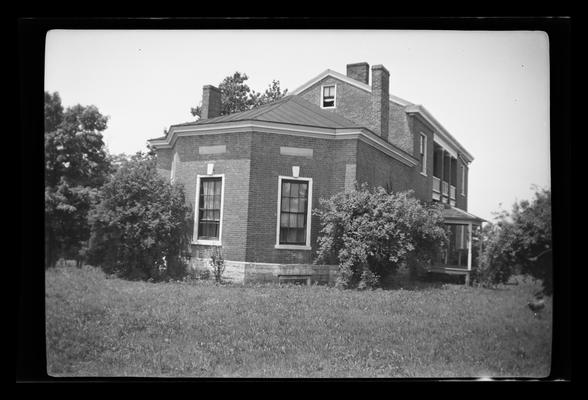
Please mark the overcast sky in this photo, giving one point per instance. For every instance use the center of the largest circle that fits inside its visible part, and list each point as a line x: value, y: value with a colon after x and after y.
x: 489, y: 89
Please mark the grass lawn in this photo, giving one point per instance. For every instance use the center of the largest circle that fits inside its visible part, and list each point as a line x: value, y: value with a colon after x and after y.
x: 102, y: 326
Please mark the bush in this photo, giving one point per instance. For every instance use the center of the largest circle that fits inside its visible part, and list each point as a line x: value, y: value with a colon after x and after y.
x: 519, y: 241
x: 369, y: 233
x: 141, y: 224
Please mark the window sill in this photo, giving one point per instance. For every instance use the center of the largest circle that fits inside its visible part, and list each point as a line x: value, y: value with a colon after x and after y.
x: 423, y: 174
x: 207, y: 242
x: 328, y: 108
x: 292, y: 247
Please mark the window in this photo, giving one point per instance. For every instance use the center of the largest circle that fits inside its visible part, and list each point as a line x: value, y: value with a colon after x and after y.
x: 294, y: 206
x: 174, y: 167
x: 328, y: 97
x: 423, y: 154
x: 209, y: 215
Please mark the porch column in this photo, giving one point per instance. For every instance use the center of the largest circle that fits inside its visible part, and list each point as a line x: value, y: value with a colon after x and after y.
x: 469, y: 247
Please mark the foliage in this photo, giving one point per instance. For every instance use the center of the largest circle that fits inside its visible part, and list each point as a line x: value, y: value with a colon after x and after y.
x: 217, y: 263
x: 370, y: 233
x: 141, y: 224
x: 520, y: 241
x: 237, y: 96
x: 76, y: 165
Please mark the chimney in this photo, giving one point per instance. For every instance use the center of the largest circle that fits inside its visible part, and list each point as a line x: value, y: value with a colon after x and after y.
x: 381, y: 99
x: 359, y: 72
x: 211, y: 102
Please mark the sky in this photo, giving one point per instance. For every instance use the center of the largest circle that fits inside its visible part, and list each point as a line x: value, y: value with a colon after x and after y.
x: 489, y: 89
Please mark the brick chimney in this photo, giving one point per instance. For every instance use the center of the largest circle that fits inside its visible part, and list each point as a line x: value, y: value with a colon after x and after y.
x: 381, y: 99
x: 211, y: 102
x: 359, y: 72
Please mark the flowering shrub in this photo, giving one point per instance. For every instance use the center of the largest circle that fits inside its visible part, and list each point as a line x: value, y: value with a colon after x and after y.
x: 141, y: 224
x: 369, y: 233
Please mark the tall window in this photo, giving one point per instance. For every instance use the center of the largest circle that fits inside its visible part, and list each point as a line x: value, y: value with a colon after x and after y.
x: 328, y: 96
x: 293, y: 212
x: 174, y: 167
x: 423, y: 154
x: 209, y: 208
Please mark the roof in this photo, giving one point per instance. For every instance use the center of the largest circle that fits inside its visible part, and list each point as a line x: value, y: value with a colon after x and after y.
x: 454, y: 214
x: 288, y: 110
x: 348, y: 80
x: 407, y: 106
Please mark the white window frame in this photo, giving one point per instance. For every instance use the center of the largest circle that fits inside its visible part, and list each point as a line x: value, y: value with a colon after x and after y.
x: 323, y: 95
x: 423, y: 137
x: 208, y: 242
x: 305, y: 246
x: 463, y: 175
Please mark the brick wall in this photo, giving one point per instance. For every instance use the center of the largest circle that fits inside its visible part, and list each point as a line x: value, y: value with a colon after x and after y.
x: 327, y: 168
x: 351, y: 102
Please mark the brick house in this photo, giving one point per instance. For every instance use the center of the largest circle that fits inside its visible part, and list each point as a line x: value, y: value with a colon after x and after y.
x: 253, y: 177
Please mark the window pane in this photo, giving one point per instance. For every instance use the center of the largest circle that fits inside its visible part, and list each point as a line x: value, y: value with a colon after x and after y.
x: 292, y: 221
x: 302, y: 205
x: 300, y: 236
x: 300, y: 223
x: 217, y: 187
x: 294, y: 204
x: 302, y: 189
x: 291, y: 236
x: 285, y: 203
x: 283, y: 219
x: 294, y: 189
x: 285, y: 189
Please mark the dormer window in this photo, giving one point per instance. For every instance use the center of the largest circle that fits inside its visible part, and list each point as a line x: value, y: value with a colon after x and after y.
x: 328, y: 96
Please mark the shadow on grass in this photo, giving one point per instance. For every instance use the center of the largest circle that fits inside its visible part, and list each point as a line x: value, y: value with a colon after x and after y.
x: 425, y: 282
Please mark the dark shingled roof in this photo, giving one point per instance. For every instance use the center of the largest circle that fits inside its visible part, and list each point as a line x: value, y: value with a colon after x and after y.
x: 289, y: 110
x: 456, y: 214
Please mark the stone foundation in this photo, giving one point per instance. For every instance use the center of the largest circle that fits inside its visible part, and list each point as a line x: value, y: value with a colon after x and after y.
x: 248, y: 272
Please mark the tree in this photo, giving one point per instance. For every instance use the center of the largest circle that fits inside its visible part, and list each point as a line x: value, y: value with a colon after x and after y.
x: 76, y: 165
x: 141, y: 224
x: 520, y: 241
x: 237, y: 96
x: 369, y: 233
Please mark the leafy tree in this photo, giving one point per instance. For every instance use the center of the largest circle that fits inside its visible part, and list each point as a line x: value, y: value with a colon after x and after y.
x: 520, y: 241
x: 237, y: 96
x: 76, y: 165
x: 369, y: 233
x: 141, y: 224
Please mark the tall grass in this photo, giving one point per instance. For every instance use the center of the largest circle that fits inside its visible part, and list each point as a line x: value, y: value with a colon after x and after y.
x: 101, y: 326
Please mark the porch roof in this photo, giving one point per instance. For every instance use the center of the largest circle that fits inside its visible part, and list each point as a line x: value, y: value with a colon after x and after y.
x: 457, y: 215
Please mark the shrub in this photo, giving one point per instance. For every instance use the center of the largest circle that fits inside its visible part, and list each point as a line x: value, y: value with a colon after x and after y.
x: 369, y: 233
x: 141, y: 224
x: 519, y: 241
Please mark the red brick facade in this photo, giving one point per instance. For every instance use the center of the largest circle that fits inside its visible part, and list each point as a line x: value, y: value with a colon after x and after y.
x: 251, y: 163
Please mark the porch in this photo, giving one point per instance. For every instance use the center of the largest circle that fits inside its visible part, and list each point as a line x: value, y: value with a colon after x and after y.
x: 464, y: 232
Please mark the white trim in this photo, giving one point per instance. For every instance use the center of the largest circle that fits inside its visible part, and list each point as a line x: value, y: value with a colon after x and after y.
x: 442, y: 132
x: 306, y: 246
x: 323, y: 97
x: 441, y: 142
x: 287, y: 129
x: 208, y: 242
x: 349, y: 81
x: 423, y: 137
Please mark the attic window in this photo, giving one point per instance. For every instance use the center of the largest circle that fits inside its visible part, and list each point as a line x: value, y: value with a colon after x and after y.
x: 328, y: 96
